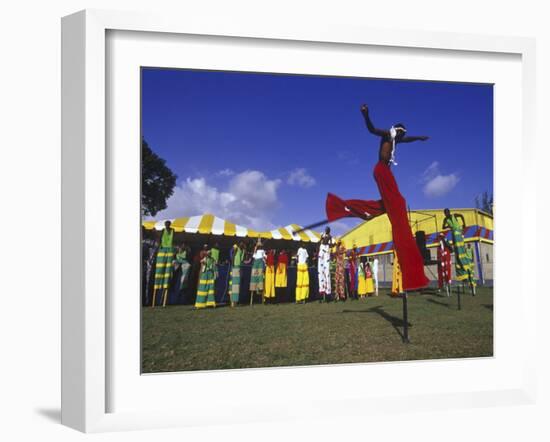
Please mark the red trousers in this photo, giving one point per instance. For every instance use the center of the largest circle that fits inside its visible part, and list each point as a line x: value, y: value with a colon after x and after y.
x: 393, y: 204
x: 443, y: 266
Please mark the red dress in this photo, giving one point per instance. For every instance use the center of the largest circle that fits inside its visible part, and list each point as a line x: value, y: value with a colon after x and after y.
x: 394, y: 205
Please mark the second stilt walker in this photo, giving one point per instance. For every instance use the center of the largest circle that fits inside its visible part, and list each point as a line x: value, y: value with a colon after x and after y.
x: 392, y: 203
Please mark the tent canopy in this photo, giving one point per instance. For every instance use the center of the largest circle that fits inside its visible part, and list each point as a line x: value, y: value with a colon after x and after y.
x: 210, y: 224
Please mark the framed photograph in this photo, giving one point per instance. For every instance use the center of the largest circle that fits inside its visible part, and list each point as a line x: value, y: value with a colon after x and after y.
x: 250, y: 212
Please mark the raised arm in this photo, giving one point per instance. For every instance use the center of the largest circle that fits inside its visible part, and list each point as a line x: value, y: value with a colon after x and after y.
x: 461, y: 217
x: 373, y: 130
x: 411, y: 139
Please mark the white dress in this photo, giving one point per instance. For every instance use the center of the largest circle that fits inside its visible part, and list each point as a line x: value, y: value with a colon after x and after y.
x: 323, y: 269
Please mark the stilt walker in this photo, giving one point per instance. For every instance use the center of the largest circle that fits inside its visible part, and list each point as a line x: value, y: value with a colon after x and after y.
x: 281, y: 279
x: 207, y: 280
x: 235, y: 284
x: 444, y: 264
x: 302, y: 277
x: 463, y: 264
x: 392, y: 203
x: 257, y: 276
x: 164, y: 263
x: 339, y: 276
x: 269, y: 290
x: 323, y: 264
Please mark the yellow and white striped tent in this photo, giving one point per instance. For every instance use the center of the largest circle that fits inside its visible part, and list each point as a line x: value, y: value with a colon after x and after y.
x: 210, y: 224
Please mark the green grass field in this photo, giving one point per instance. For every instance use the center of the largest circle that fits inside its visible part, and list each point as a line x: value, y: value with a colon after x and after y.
x: 179, y: 338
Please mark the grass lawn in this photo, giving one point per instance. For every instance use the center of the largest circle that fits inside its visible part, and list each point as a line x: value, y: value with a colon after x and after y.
x: 179, y: 338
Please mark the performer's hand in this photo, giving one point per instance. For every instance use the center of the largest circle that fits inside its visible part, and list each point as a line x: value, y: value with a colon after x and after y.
x: 364, y: 109
x: 424, y: 138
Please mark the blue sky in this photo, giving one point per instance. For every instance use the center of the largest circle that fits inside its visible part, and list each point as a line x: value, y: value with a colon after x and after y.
x: 263, y: 150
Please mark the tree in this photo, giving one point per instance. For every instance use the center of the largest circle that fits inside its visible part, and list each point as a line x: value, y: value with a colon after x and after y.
x: 485, y: 203
x: 157, y: 181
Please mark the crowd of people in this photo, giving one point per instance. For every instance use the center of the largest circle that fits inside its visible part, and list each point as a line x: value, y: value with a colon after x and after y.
x: 342, y: 274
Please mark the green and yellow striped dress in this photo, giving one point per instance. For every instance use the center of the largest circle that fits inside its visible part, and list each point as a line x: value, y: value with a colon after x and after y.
x: 165, y: 256
x: 235, y: 283
x: 207, y: 280
x: 464, y: 272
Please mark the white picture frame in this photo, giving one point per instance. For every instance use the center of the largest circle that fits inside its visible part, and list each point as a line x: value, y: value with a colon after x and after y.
x: 85, y: 236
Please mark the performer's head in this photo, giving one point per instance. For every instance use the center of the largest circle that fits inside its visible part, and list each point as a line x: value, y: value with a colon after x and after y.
x: 400, y: 130
x: 327, y: 230
x: 447, y: 212
x: 167, y: 224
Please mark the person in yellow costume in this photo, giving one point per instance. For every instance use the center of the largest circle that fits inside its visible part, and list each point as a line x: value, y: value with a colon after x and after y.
x: 269, y: 293
x: 362, y: 280
x: 302, y: 278
x: 397, y: 277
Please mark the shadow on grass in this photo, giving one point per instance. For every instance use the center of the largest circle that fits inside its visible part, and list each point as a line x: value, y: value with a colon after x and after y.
x: 488, y: 306
x: 397, y: 323
x: 434, y: 301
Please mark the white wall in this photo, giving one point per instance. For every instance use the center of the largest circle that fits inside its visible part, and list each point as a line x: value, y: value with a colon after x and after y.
x: 30, y: 182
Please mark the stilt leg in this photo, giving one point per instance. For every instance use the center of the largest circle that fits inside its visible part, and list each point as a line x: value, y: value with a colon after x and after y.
x: 154, y: 296
x: 405, y: 319
x: 165, y: 297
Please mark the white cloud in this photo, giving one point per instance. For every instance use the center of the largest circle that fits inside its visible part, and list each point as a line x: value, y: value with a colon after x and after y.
x: 250, y: 199
x: 300, y: 177
x: 225, y: 172
x: 435, y: 183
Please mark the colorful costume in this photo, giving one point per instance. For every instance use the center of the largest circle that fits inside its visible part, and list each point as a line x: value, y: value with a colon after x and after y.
x: 339, y: 276
x: 257, y: 275
x: 238, y: 255
x: 302, y: 278
x: 207, y: 278
x: 270, y: 275
x: 443, y: 264
x: 280, y: 276
x: 397, y: 277
x: 352, y: 273
x: 369, y: 285
x: 470, y: 254
x: 463, y: 264
x: 323, y: 269
x: 394, y: 205
x: 165, y: 256
x: 362, y: 284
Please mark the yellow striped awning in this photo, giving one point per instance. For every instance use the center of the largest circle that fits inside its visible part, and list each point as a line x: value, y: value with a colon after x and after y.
x: 211, y: 224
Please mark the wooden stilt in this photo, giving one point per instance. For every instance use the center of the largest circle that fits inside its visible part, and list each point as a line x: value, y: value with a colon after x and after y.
x: 154, y: 296
x: 251, y: 298
x: 165, y: 297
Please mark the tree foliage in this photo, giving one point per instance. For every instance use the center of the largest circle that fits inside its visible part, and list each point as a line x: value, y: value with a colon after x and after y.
x: 485, y: 202
x: 157, y: 181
